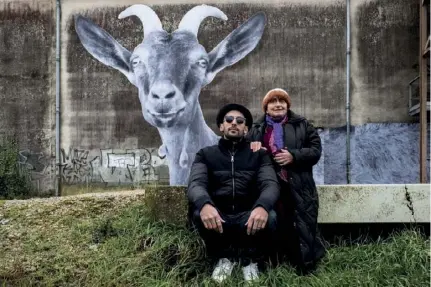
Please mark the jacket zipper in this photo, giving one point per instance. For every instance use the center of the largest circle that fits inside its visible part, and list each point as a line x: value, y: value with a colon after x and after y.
x: 232, y: 160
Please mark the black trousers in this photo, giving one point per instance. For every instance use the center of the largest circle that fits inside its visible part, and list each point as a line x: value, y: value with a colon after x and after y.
x: 288, y: 248
x: 234, y: 243
x: 288, y: 245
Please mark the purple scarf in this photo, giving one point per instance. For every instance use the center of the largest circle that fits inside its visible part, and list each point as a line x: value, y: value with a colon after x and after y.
x: 277, y: 129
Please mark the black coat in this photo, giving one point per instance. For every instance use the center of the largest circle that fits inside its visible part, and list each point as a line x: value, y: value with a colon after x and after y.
x: 232, y: 178
x: 303, y: 142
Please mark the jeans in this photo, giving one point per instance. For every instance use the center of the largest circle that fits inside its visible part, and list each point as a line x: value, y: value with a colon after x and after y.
x: 234, y: 243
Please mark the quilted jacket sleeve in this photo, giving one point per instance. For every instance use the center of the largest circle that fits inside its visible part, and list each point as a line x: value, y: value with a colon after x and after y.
x: 197, y: 191
x: 310, y: 154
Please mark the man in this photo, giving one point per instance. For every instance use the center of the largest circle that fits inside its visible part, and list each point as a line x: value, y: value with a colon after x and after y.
x: 231, y: 193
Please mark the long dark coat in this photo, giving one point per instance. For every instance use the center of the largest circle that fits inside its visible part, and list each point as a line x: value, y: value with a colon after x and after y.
x: 299, y: 198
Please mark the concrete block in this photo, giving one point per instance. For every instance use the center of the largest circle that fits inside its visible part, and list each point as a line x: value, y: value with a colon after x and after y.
x: 390, y: 203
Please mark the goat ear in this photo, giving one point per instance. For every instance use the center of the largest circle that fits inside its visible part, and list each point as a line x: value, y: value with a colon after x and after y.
x: 103, y: 46
x: 236, y: 45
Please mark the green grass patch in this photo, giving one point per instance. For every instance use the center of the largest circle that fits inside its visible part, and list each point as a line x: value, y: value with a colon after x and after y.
x: 112, y: 241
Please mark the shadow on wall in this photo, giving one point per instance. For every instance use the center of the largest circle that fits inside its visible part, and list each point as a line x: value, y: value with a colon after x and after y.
x: 381, y: 153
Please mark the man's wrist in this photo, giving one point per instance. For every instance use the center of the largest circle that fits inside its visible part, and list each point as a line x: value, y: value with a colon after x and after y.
x: 201, y: 203
x: 261, y: 206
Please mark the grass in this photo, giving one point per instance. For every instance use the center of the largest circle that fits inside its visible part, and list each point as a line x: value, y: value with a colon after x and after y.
x: 109, y: 241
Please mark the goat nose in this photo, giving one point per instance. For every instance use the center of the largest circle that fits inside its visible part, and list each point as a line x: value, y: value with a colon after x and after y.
x: 161, y: 96
x: 161, y: 92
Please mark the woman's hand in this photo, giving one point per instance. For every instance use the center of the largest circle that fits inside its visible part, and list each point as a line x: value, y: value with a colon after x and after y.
x: 283, y: 158
x: 255, y: 146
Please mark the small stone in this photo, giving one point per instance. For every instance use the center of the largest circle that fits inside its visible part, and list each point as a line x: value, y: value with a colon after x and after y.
x: 4, y: 221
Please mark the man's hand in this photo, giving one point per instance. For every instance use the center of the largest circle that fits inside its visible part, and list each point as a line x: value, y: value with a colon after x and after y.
x: 257, y: 220
x: 284, y: 157
x: 255, y: 146
x: 211, y: 218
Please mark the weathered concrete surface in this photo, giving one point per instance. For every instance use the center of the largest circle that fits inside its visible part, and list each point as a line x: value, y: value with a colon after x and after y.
x: 27, y: 83
x: 397, y: 203
x: 393, y: 203
x: 374, y: 203
x: 385, y: 49
x: 27, y: 44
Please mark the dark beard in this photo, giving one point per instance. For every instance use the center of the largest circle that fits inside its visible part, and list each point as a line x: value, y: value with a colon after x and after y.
x: 236, y: 138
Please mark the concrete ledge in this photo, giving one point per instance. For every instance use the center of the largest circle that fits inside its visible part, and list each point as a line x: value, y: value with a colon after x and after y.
x: 345, y: 204
x: 392, y: 203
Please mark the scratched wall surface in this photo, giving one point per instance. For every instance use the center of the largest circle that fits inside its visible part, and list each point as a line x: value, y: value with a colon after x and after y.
x: 114, y: 166
x: 27, y: 71
x: 380, y: 154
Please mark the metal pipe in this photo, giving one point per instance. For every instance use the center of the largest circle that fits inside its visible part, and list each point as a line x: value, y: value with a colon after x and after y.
x: 348, y: 93
x: 423, y: 90
x: 411, y: 93
x: 57, y: 100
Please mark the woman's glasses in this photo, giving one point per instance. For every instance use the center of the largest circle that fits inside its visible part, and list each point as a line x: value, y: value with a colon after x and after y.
x: 239, y: 120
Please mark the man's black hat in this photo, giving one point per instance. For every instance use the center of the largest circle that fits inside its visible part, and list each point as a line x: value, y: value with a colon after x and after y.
x: 235, y: 107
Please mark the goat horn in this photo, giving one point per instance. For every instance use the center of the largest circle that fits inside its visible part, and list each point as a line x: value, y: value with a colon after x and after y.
x: 193, y: 18
x: 148, y: 17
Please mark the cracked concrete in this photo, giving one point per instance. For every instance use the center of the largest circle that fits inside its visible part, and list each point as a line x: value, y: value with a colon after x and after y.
x: 380, y: 203
x: 410, y: 202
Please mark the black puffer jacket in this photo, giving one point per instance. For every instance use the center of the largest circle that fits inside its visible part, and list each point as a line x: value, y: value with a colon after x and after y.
x: 233, y: 178
x: 303, y: 142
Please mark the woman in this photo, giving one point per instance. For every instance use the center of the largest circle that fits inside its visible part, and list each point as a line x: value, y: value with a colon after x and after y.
x: 295, y: 146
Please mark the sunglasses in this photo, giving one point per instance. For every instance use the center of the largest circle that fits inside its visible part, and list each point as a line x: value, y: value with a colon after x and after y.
x: 230, y: 119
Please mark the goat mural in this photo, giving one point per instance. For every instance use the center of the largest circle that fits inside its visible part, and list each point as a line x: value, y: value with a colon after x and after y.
x: 169, y: 71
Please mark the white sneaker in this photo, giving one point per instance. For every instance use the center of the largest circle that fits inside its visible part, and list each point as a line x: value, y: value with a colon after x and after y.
x: 250, y: 272
x: 222, y: 270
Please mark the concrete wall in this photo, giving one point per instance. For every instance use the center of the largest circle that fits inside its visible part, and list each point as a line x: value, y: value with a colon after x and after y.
x: 27, y: 83
x: 105, y: 138
x: 385, y: 50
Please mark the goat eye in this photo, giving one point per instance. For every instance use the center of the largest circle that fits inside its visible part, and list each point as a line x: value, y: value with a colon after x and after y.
x: 203, y: 63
